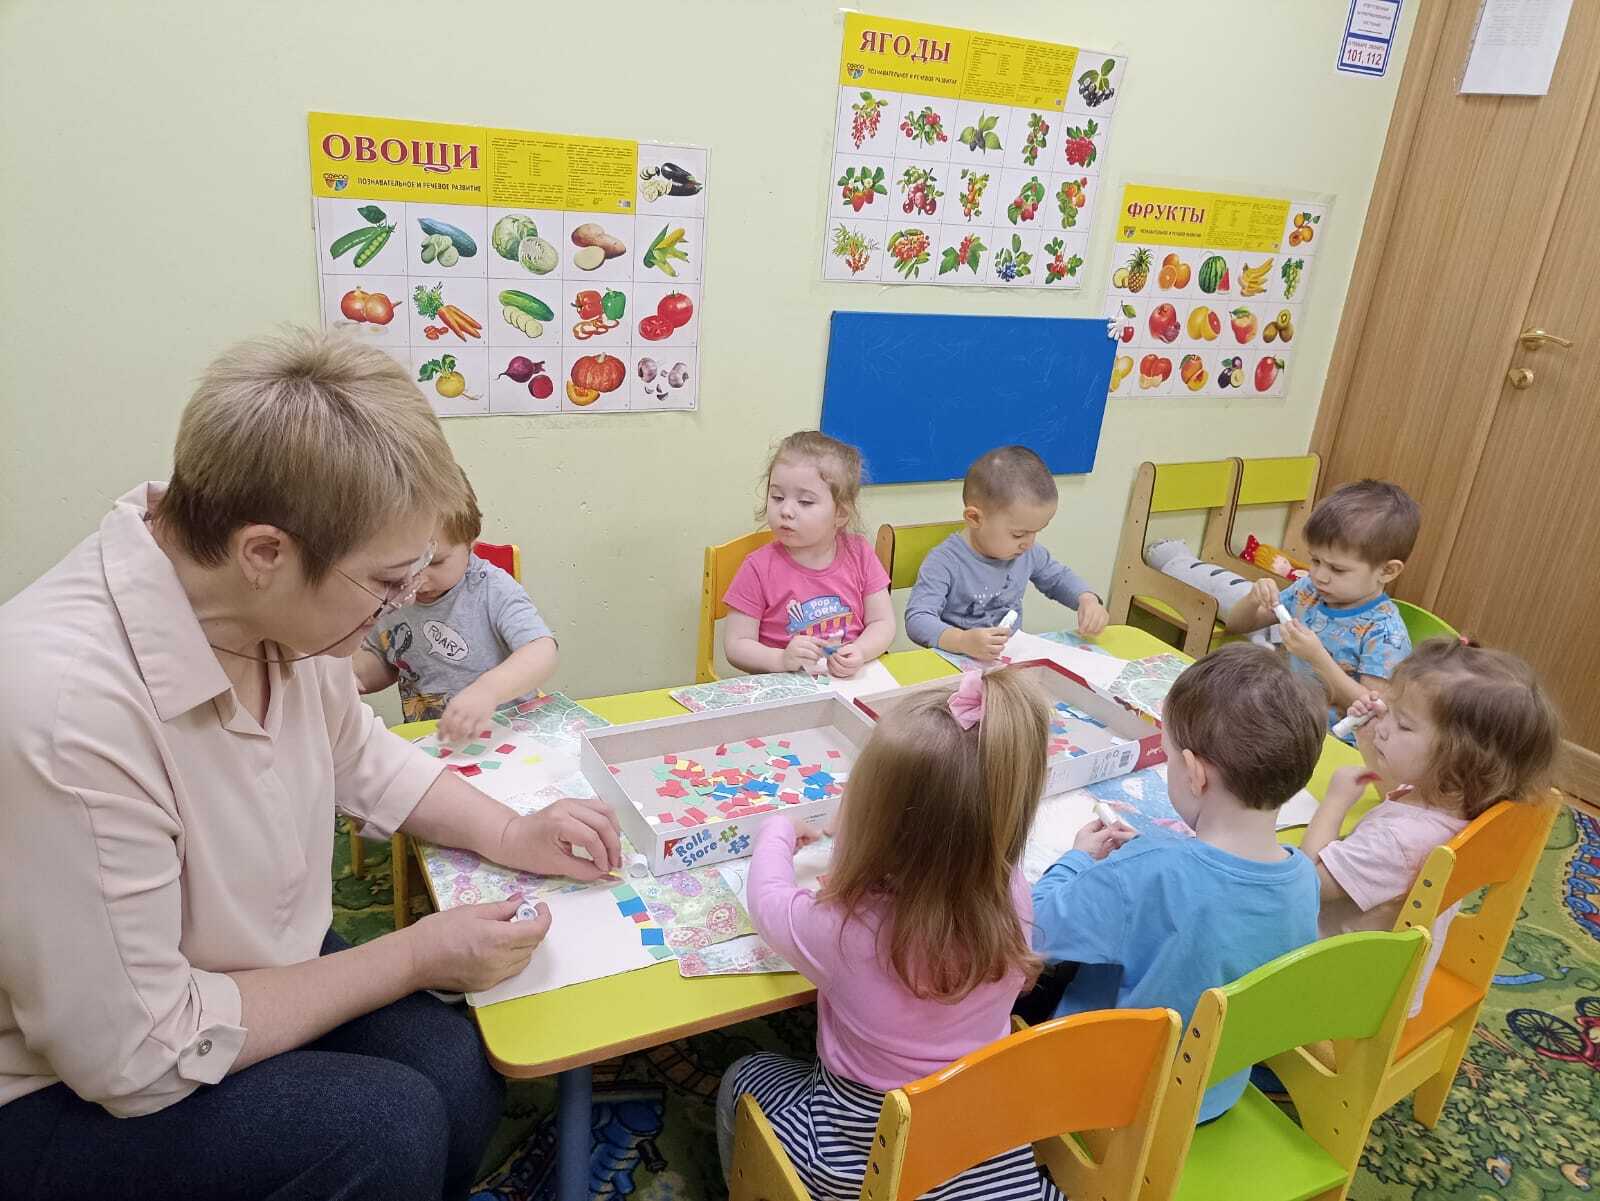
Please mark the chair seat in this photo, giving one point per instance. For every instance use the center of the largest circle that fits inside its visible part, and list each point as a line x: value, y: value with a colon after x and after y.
x: 1447, y: 998
x: 1254, y: 1152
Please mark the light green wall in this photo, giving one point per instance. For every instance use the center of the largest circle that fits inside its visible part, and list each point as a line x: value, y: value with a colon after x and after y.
x: 155, y: 182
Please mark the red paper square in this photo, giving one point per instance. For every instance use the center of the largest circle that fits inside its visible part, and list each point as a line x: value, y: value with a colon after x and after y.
x: 505, y: 748
x: 471, y: 769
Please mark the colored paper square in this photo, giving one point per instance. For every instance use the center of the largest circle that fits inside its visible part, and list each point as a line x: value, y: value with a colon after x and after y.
x: 485, y: 733
x: 784, y: 743
x: 652, y: 937
x: 640, y: 919
x: 810, y: 769
x: 835, y: 755
x: 661, y: 952
x: 762, y: 808
x: 443, y: 752
x: 755, y: 743
x: 698, y: 814
x: 623, y: 892
x: 687, y: 820
x: 665, y: 816
x: 490, y: 764
x: 723, y: 749
x: 788, y: 798
x: 505, y: 748
x: 477, y: 748
x: 471, y: 769
x: 631, y: 906
x: 616, y: 771
x: 813, y: 793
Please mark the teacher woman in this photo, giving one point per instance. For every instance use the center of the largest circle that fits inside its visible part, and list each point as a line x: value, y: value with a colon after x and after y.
x: 178, y: 721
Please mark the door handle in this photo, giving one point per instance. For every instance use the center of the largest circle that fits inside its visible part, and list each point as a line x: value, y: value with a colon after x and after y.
x: 1532, y: 339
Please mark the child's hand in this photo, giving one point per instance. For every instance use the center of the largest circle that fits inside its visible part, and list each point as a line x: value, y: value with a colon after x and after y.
x: 804, y: 835
x: 1099, y: 839
x: 1347, y: 786
x: 846, y: 661
x: 1368, y: 704
x: 1301, y: 642
x: 467, y: 713
x: 1265, y: 595
x: 1092, y: 616
x: 984, y: 645
x: 802, y: 653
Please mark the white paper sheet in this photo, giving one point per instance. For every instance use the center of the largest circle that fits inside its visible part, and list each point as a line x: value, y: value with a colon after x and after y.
x: 1515, y: 47
x: 1099, y: 670
x: 874, y: 677
x: 1297, y: 810
x: 588, y: 939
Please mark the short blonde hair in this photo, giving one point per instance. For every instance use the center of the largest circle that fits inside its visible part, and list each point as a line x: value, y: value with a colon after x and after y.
x: 463, y: 525
x: 838, y: 463
x: 313, y: 433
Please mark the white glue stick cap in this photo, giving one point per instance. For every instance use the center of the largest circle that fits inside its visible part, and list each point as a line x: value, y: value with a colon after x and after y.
x: 1282, y: 612
x: 1009, y: 620
x: 638, y: 866
x: 1349, y: 724
x: 1107, y: 815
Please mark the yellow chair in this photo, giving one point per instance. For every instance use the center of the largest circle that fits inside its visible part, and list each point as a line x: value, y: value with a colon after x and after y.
x: 1209, y: 487
x: 722, y: 563
x: 1498, y: 852
x: 902, y: 548
x: 1286, y: 481
x: 1102, y: 1073
x: 1354, y: 990
x: 405, y: 869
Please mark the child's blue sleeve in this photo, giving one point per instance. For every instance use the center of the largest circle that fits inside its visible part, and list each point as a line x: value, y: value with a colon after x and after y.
x: 1383, y: 648
x: 1080, y: 911
x: 1056, y: 580
x: 929, y: 596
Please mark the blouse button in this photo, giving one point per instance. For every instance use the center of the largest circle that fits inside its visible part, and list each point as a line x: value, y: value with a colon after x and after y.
x: 204, y: 1048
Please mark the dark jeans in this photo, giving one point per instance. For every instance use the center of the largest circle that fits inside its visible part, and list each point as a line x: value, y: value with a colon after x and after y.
x: 399, y: 1104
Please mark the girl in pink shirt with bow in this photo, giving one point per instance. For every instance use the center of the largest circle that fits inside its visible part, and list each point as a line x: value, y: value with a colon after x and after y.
x: 919, y: 940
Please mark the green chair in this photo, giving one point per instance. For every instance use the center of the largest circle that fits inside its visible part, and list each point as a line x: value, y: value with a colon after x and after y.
x: 1422, y: 625
x: 1352, y: 990
x: 902, y: 548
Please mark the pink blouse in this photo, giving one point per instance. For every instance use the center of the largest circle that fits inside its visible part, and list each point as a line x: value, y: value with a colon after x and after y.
x: 154, y: 836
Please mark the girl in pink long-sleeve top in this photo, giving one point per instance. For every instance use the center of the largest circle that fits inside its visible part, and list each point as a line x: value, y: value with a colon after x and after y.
x: 919, y: 941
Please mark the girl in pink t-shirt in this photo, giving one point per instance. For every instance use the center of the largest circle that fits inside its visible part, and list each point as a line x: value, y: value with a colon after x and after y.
x: 919, y: 940
x: 1461, y: 729
x: 815, y: 598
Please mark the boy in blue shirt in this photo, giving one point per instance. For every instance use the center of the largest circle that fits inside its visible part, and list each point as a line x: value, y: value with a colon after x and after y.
x: 1346, y: 633
x: 1158, y: 922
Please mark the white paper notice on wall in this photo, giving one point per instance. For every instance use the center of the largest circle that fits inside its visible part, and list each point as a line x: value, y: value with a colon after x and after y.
x: 1369, y: 36
x: 1515, y: 46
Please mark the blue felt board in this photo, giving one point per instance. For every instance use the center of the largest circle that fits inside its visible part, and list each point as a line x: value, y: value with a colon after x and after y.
x: 922, y: 395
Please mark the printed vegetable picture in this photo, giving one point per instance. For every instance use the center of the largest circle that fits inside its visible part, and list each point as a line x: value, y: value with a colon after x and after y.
x: 525, y: 371
x: 854, y: 247
x: 981, y: 137
x: 444, y: 244
x: 866, y: 113
x: 595, y: 246
x: 597, y: 312
x: 666, y: 248
x: 517, y: 239
x: 667, y: 179
x: 909, y: 250
x: 1013, y: 262
x: 366, y: 307
x: 1059, y: 265
x: 1027, y: 202
x: 524, y: 312
x: 969, y: 253
x: 661, y: 381
x: 594, y: 375
x: 672, y: 312
x: 430, y: 304
x: 921, y: 188
x: 447, y: 381
x: 367, y: 240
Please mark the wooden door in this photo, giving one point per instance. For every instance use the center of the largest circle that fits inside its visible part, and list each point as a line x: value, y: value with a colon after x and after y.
x: 1486, y: 224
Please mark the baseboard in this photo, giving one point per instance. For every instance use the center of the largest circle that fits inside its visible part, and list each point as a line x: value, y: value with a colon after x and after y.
x: 1578, y: 772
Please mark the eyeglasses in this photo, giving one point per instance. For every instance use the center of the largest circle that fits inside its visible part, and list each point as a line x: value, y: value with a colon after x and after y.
x: 396, y: 596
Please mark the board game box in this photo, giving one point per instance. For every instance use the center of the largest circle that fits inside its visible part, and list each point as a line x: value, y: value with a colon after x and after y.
x: 694, y: 790
x: 1093, y: 736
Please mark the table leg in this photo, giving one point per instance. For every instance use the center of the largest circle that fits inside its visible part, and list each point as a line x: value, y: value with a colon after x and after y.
x: 574, y: 1133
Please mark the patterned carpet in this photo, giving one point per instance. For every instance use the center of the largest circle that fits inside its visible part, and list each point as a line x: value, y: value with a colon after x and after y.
x: 1522, y: 1124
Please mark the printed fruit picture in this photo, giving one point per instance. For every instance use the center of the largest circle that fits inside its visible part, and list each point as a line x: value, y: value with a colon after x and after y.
x: 1095, y: 86
x: 1154, y: 370
x: 973, y: 184
x: 1253, y: 280
x: 522, y: 370
x: 1174, y: 273
x: 967, y: 253
x: 1120, y: 370
x: 981, y: 138
x: 367, y: 308
x: 1203, y: 325
x: 1303, y: 231
x: 1244, y: 325
x: 1231, y: 373
x: 909, y: 250
x: 1129, y: 314
x: 864, y: 118
x: 921, y: 189
x: 447, y: 381
x: 525, y: 313
x: 858, y: 186
x: 1012, y: 262
x: 1136, y: 274
x: 854, y: 247
x: 1038, y: 134
x: 1071, y: 196
x: 1080, y: 148
x: 1282, y: 327
x: 367, y: 240
x: 1291, y: 275
x: 926, y: 127
x: 1060, y: 265
x: 1267, y: 372
x: 1213, y: 275
x: 1164, y: 323
x: 1192, y: 371
x: 1029, y: 197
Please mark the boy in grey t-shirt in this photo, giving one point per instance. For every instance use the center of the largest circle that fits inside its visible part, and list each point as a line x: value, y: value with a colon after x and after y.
x: 971, y: 580
x: 471, y: 640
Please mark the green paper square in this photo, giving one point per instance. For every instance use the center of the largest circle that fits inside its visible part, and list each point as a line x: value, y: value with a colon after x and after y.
x: 660, y: 952
x: 477, y: 748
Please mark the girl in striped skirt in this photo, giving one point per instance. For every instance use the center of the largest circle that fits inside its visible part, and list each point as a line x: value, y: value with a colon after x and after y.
x: 918, y: 941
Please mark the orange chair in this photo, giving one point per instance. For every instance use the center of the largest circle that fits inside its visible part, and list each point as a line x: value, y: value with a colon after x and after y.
x: 721, y: 564
x: 1497, y: 852
x: 1100, y: 1074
